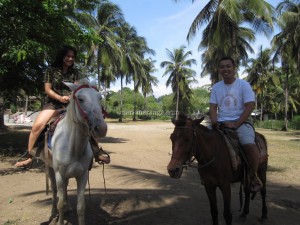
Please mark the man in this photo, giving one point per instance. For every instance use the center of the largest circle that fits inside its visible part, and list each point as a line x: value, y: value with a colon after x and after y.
x: 232, y: 101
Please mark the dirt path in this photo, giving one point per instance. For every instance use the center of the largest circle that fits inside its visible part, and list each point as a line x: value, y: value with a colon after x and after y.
x: 139, y: 190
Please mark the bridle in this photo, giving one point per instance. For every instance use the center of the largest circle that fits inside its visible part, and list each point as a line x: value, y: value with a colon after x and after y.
x: 82, y: 112
x: 193, y: 152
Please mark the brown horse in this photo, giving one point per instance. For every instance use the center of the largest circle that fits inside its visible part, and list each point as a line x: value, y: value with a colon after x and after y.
x: 190, y: 138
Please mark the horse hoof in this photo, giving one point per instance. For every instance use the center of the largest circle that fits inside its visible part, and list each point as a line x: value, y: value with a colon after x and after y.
x: 263, y: 219
x: 53, y: 221
x: 242, y: 217
x: 68, y: 209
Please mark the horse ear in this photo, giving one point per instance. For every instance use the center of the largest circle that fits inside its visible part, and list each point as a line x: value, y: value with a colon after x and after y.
x: 71, y: 85
x: 198, y: 121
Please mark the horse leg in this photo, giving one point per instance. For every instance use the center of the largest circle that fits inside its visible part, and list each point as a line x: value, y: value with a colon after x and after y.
x: 263, y: 177
x: 211, y: 193
x: 62, y: 197
x: 226, y: 192
x: 81, y: 184
x: 51, y: 174
x: 246, y: 204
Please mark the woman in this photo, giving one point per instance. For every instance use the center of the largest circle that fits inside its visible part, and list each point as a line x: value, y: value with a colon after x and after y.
x: 57, y: 98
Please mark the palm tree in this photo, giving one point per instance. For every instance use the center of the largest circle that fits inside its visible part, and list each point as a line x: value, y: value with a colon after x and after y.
x: 133, y: 48
x: 260, y: 75
x: 286, y: 43
x: 213, y: 51
x: 181, y: 74
x: 105, y: 50
x: 224, y: 34
x: 289, y: 22
x: 146, y: 81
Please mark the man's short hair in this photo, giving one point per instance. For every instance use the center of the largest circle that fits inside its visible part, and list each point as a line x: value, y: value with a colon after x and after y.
x: 226, y: 58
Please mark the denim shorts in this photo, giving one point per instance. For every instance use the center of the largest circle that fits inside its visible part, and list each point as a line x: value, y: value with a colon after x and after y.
x: 246, y: 134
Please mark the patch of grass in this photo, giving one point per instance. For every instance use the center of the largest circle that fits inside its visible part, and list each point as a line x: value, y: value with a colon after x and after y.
x: 11, y: 222
x: 276, y: 169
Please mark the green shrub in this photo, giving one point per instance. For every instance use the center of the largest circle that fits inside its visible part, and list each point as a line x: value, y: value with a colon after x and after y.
x: 295, y: 123
x: 270, y: 124
x: 13, y: 108
x: 278, y: 124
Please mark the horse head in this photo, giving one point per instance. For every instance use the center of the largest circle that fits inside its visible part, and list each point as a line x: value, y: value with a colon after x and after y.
x: 183, y: 143
x: 86, y: 103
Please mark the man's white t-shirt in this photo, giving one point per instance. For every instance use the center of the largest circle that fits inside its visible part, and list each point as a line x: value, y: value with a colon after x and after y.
x: 231, y: 98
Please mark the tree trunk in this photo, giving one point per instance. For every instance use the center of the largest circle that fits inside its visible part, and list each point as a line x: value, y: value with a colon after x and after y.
x: 26, y: 106
x: 134, y: 107
x: 177, y: 101
x: 261, y: 111
x: 121, y: 101
x: 286, y: 93
x: 2, y: 125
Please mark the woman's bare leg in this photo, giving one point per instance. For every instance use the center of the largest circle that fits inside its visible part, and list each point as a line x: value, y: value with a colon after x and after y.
x: 39, y: 124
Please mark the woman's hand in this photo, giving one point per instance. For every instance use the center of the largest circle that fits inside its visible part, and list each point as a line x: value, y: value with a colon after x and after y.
x: 64, y: 99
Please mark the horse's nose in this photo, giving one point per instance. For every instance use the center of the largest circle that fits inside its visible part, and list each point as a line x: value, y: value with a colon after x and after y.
x: 101, y: 130
x: 175, y: 172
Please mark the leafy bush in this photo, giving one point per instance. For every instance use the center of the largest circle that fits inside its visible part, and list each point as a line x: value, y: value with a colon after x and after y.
x: 295, y: 123
x: 270, y: 124
x: 279, y: 124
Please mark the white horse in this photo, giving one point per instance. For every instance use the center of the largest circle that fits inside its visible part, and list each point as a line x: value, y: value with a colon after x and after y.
x: 71, y: 149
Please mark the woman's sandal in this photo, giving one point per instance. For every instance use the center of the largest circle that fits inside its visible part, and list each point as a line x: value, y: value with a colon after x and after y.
x: 27, y: 164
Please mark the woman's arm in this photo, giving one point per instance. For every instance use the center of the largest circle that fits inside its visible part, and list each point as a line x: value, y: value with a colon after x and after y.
x: 52, y: 94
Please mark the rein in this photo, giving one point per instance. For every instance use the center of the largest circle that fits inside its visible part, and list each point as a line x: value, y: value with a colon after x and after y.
x: 82, y: 113
x: 194, y: 150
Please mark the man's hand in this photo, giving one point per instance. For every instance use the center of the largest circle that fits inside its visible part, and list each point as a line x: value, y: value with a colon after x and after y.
x: 232, y: 125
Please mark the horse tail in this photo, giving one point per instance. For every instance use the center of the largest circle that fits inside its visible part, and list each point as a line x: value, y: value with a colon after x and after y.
x: 262, y: 145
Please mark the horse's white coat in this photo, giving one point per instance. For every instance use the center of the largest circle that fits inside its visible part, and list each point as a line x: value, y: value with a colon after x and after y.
x: 72, y: 152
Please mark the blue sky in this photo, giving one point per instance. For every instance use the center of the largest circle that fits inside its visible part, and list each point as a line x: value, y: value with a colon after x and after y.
x: 165, y: 24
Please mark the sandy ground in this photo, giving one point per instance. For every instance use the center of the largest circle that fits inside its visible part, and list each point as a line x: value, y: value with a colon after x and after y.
x: 138, y: 188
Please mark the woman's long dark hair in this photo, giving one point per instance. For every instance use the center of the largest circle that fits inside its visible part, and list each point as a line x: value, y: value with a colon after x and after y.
x: 61, y: 53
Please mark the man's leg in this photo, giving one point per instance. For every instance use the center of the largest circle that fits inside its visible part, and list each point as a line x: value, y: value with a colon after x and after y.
x: 252, y: 154
x: 246, y: 136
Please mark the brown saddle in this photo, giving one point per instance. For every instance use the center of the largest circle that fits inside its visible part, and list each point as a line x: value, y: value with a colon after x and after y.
x: 234, y: 146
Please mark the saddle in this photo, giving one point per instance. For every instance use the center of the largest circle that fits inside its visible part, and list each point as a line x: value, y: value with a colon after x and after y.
x: 235, y: 148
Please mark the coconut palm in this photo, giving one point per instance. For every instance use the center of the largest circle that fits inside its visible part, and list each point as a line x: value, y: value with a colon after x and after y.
x: 133, y: 49
x: 148, y: 80
x: 213, y: 51
x: 287, y: 42
x: 260, y: 75
x: 181, y: 75
x: 105, y: 50
x: 289, y: 37
x: 223, y: 31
